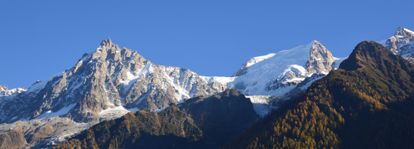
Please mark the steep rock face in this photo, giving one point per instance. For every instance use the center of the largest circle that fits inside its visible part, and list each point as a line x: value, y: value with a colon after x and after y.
x: 321, y: 60
x: 201, y: 122
x: 278, y: 73
x: 366, y: 103
x: 109, y: 78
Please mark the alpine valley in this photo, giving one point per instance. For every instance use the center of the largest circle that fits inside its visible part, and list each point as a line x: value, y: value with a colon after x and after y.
x: 303, y: 97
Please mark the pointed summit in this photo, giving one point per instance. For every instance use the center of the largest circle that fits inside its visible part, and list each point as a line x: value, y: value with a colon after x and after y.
x: 320, y: 59
x: 107, y: 46
x: 316, y: 42
x: 113, y: 55
x: 106, y: 42
x: 369, y: 54
x: 104, y: 83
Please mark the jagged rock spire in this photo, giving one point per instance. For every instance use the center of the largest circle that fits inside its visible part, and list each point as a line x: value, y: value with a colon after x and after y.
x: 106, y: 42
x: 320, y: 59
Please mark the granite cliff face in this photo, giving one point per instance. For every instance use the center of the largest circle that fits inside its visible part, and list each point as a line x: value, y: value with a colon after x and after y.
x: 321, y: 60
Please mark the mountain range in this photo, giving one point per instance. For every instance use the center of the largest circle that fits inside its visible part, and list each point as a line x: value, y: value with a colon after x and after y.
x: 116, y: 92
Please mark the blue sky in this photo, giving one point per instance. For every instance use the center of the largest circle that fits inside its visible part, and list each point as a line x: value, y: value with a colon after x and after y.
x: 40, y: 39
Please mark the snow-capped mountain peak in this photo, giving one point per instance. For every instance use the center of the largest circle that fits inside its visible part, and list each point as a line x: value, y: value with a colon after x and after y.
x: 402, y: 37
x: 4, y: 91
x: 278, y: 73
x: 405, y: 32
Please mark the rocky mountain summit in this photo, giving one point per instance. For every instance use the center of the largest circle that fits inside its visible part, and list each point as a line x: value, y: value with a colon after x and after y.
x: 109, y: 78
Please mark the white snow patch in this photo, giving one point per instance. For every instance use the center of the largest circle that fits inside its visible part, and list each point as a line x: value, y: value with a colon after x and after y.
x: 133, y: 109
x: 62, y: 111
x: 11, y: 92
x: 258, y: 59
x: 338, y: 61
x: 114, y: 112
x: 261, y: 104
x: 308, y: 84
x: 181, y: 93
x: 258, y: 76
x: 220, y: 79
x: 131, y: 76
x: 297, y: 80
x: 409, y: 31
x: 296, y: 69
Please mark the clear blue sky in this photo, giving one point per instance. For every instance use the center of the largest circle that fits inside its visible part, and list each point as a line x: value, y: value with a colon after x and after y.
x: 40, y: 39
